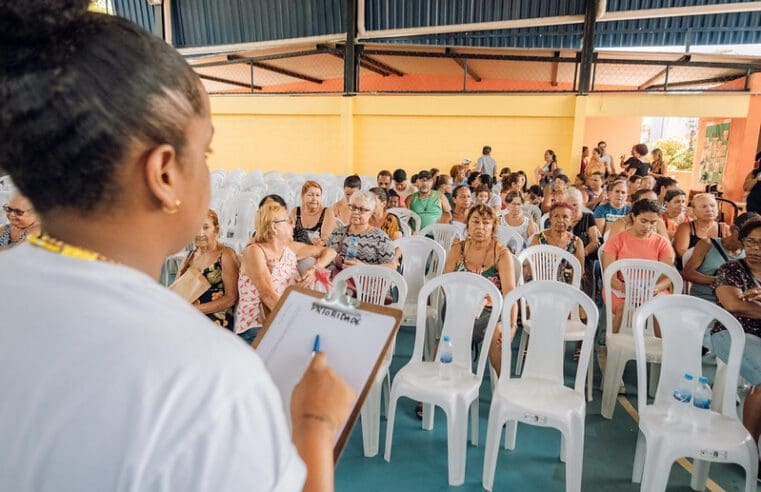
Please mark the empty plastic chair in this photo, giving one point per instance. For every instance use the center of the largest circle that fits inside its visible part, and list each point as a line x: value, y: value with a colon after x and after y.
x: 444, y: 234
x: 373, y: 284
x: 408, y: 216
x: 663, y: 437
x: 640, y: 277
x: 458, y: 395
x: 510, y: 238
x: 539, y: 397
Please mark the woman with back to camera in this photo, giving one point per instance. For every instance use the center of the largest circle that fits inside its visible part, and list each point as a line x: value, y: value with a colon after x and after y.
x: 219, y: 266
x: 119, y: 180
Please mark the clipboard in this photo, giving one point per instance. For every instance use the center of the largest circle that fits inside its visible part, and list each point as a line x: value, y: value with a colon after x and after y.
x: 355, y: 336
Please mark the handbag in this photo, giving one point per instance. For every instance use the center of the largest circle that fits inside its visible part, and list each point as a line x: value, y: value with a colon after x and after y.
x: 190, y: 285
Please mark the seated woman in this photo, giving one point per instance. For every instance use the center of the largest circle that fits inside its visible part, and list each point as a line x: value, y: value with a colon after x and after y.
x: 615, y: 208
x: 444, y: 184
x: 738, y: 290
x: 463, y: 200
x: 626, y: 221
x: 384, y: 220
x: 515, y: 219
x: 560, y: 235
x: 585, y: 228
x: 312, y: 221
x: 219, y: 265
x: 482, y: 254
x: 640, y: 241
x: 22, y: 221
x: 269, y: 265
x: 675, y: 214
x: 359, y: 242
x: 704, y: 226
x: 554, y: 193
x: 710, y: 254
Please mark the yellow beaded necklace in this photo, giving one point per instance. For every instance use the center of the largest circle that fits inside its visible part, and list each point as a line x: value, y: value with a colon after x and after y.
x: 57, y: 246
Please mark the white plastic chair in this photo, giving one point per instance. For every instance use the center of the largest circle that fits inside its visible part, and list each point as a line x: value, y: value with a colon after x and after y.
x: 444, y: 234
x: 373, y: 284
x: 544, y: 221
x: 544, y: 264
x: 640, y: 277
x: 662, y: 440
x: 685, y: 258
x: 238, y: 225
x: 539, y: 397
x: 405, y: 215
x: 510, y: 238
x: 422, y: 260
x: 458, y: 396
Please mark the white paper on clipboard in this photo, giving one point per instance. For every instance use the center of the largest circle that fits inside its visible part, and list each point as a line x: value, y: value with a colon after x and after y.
x: 353, y: 344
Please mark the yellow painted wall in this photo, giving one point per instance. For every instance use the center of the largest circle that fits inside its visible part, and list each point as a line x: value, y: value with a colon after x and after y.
x: 364, y: 134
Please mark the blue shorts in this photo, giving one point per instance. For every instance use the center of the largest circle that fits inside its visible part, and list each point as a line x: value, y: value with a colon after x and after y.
x: 750, y: 367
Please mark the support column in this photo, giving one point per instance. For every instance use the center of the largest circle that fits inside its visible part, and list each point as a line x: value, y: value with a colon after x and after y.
x: 351, y: 58
x: 587, y: 47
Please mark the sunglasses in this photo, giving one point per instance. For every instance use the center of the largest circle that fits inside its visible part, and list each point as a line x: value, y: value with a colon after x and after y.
x: 15, y: 211
x: 361, y: 210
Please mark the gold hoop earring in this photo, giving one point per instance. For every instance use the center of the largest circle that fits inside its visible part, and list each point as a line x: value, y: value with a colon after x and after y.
x: 173, y: 210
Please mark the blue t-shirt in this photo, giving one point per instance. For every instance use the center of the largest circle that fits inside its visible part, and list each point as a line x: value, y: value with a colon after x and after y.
x: 610, y: 213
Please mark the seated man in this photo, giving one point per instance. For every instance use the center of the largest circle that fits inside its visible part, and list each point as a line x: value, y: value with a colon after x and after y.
x: 340, y: 209
x: 430, y: 205
x: 384, y: 179
x: 402, y: 187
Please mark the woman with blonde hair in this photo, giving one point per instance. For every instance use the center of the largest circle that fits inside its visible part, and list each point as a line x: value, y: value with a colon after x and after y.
x: 658, y: 166
x: 22, y: 221
x: 312, y: 223
x: 219, y: 265
x: 269, y: 265
x: 705, y: 225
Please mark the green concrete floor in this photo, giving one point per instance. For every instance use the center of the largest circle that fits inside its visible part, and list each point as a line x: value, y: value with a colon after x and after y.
x: 419, y: 458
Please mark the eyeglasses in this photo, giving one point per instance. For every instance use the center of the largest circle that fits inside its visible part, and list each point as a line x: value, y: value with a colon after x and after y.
x: 751, y: 243
x: 15, y: 211
x: 362, y: 210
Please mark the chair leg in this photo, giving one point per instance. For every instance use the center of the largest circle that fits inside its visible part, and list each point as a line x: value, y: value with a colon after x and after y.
x: 474, y: 422
x: 521, y: 352
x: 491, y: 449
x: 511, y: 432
x: 639, y: 459
x: 574, y: 465
x: 457, y: 443
x: 614, y: 370
x: 699, y: 477
x: 390, y: 424
x: 370, y: 415
x: 750, y: 464
x: 655, y: 375
x: 428, y: 413
x: 655, y: 475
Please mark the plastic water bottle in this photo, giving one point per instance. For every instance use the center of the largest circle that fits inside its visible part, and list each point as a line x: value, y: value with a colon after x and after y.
x: 446, y: 354
x: 353, y: 250
x: 701, y: 400
x: 680, y: 405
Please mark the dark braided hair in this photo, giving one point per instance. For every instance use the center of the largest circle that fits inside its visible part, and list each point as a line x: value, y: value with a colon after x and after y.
x: 77, y: 91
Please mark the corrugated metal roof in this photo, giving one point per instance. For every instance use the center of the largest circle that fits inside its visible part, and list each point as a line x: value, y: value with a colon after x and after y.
x: 212, y: 22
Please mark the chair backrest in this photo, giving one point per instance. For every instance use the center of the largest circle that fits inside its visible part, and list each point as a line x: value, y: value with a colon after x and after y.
x: 373, y: 284
x: 406, y: 229
x: 687, y: 255
x: 251, y: 180
x: 422, y: 259
x: 407, y: 215
x: 465, y: 294
x: 544, y: 221
x: 518, y: 268
x: 510, y: 238
x: 545, y: 261
x: 444, y: 234
x: 239, y: 226
x: 551, y: 303
x: 684, y: 320
x: 640, y: 278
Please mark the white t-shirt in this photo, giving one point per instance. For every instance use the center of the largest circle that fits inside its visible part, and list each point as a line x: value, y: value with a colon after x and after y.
x: 486, y: 165
x: 111, y: 382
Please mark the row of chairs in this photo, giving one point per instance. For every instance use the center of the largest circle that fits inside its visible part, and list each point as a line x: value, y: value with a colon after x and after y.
x: 539, y: 396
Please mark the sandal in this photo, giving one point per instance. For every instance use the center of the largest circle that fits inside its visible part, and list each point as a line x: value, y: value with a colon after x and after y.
x: 419, y: 411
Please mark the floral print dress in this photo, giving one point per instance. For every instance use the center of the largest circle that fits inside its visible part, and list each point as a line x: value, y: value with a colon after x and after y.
x: 213, y: 274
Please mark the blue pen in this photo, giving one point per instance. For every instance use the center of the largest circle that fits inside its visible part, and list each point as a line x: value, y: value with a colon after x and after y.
x: 316, y: 347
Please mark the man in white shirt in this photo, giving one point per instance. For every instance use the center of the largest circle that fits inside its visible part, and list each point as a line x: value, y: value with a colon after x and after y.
x: 606, y: 158
x: 486, y: 163
x: 403, y: 187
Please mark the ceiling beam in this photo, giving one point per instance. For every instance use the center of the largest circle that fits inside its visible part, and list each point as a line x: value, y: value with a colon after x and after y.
x: 338, y: 53
x: 554, y: 73
x: 382, y: 66
x: 688, y: 83
x: 646, y: 84
x: 231, y: 82
x: 462, y: 63
x: 272, y: 68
